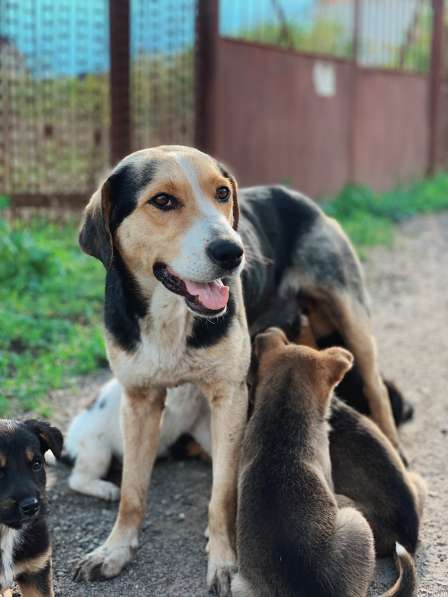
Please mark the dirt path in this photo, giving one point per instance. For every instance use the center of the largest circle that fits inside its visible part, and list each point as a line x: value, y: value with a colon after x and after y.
x: 409, y: 288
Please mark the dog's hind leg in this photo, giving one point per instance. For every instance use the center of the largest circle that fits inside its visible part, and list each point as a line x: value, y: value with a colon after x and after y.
x: 352, y: 565
x: 141, y: 412
x: 351, y: 320
x: 326, y: 270
x: 229, y: 404
x: 354, y: 325
x: 89, y: 467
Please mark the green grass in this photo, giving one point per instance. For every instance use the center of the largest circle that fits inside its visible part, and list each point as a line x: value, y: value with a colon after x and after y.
x: 369, y: 218
x: 50, y: 313
x: 51, y: 294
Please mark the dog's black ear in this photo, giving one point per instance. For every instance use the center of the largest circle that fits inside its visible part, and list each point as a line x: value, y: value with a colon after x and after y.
x: 95, y: 237
x: 235, y: 205
x: 50, y: 438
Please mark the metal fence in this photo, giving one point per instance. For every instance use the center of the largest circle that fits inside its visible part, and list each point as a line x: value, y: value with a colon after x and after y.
x: 82, y: 82
x: 56, y: 96
x: 393, y: 34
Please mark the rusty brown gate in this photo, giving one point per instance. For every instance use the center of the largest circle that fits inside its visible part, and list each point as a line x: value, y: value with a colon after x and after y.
x: 352, y: 92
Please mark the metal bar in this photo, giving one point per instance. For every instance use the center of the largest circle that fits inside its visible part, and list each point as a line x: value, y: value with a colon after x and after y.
x: 119, y: 47
x: 357, y: 8
x: 435, y: 84
x: 207, y: 33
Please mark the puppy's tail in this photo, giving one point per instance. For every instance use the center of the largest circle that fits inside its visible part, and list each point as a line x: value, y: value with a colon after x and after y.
x: 407, y: 579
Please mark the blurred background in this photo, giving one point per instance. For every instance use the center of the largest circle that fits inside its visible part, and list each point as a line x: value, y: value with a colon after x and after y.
x: 316, y: 93
x: 346, y: 100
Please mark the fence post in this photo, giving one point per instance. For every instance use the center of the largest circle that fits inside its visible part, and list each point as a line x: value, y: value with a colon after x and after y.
x: 119, y: 48
x: 207, y: 32
x: 357, y: 10
x: 435, y: 84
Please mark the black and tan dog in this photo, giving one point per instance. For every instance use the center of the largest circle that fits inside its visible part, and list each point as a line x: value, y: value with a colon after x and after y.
x: 292, y: 538
x: 169, y: 229
x: 24, y: 540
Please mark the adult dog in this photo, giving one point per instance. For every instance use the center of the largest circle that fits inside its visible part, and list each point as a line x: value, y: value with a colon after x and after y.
x: 164, y: 224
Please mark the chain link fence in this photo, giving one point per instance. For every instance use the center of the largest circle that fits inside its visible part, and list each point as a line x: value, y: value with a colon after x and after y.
x: 55, y: 108
x: 394, y: 34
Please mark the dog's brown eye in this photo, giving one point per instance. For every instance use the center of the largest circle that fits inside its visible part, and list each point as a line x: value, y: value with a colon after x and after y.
x: 164, y: 202
x: 36, y: 466
x: 222, y: 194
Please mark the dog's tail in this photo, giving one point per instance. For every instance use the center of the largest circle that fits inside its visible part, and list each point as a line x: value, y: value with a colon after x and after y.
x: 407, y: 579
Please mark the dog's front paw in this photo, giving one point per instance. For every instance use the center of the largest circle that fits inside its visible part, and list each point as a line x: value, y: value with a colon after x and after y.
x: 219, y: 578
x: 104, y: 562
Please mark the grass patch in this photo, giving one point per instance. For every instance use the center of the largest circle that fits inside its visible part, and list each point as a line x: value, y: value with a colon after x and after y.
x: 51, y: 294
x: 50, y: 313
x: 369, y: 218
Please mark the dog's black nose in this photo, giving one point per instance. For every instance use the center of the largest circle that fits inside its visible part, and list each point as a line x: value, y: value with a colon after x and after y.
x: 225, y: 253
x: 29, y: 507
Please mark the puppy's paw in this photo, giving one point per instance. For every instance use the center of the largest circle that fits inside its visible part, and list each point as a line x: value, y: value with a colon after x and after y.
x: 219, y: 578
x: 104, y: 562
x: 104, y: 490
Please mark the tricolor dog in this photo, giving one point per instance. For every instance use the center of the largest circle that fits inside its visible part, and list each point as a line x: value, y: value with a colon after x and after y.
x: 25, y: 550
x: 177, y: 251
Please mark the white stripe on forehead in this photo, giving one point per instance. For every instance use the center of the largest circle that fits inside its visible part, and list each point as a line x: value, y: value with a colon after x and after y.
x: 189, y: 172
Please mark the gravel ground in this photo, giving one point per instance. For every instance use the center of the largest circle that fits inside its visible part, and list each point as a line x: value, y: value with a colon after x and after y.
x: 409, y: 288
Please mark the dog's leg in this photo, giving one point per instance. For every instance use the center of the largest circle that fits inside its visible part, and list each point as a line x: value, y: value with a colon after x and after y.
x: 353, y: 323
x: 353, y: 554
x: 37, y: 584
x: 229, y: 412
x: 141, y: 412
x: 88, y: 470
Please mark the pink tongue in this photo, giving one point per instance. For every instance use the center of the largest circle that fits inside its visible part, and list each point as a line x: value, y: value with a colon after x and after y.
x: 212, y: 295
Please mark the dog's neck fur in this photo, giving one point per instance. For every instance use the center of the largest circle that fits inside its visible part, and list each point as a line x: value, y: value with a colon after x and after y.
x: 152, y: 336
x: 9, y: 540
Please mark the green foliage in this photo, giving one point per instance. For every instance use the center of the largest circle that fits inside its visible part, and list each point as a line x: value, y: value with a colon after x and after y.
x: 50, y: 313
x: 368, y: 217
x: 323, y: 37
x: 51, y: 294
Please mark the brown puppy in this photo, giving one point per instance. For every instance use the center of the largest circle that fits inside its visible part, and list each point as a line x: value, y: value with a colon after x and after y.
x: 292, y: 539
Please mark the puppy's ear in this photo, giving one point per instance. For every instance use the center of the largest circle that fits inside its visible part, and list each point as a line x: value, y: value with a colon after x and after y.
x: 95, y: 237
x: 50, y: 438
x: 337, y: 362
x: 269, y: 340
x: 235, y: 205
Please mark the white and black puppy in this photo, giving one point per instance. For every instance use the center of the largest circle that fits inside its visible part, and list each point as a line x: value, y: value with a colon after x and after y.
x: 94, y: 436
x: 25, y: 550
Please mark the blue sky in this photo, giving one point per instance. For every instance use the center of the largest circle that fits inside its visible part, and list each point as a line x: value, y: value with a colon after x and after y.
x: 69, y: 37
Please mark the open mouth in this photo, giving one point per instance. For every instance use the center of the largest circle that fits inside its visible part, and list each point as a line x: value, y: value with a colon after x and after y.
x: 204, y: 298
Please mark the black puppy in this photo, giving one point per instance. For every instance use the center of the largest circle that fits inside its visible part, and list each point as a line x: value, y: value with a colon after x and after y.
x: 24, y: 539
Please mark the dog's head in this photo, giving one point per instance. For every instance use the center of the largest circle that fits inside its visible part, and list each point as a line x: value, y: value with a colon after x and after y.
x: 22, y: 469
x: 309, y: 373
x: 171, y: 214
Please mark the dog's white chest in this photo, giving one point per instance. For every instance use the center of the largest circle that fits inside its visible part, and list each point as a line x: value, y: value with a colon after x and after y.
x: 162, y: 350
x: 9, y: 538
